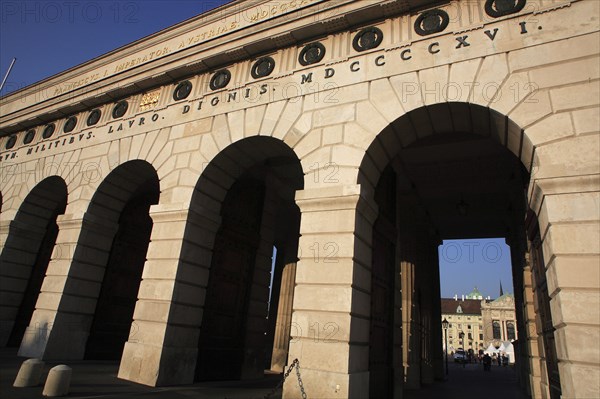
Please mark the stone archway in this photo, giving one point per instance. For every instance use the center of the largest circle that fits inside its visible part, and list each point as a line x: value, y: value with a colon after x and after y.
x: 415, y: 173
x: 242, y: 206
x: 256, y: 211
x: 93, y: 319
x: 26, y: 254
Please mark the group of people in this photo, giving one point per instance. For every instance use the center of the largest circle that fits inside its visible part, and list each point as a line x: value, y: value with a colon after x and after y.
x: 487, y: 360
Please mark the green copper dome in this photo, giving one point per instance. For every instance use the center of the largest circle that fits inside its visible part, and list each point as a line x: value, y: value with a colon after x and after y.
x: 475, y: 294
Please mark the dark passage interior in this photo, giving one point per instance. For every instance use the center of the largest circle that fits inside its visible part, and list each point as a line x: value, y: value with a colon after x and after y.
x: 118, y: 294
x: 221, y: 347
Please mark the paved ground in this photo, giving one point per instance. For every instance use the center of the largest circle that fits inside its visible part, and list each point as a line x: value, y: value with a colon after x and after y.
x: 471, y: 382
x: 98, y: 380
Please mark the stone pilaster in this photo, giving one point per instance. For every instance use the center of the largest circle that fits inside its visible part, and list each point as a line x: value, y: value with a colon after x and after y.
x: 570, y: 232
x: 60, y: 325
x: 162, y: 348
x: 330, y: 320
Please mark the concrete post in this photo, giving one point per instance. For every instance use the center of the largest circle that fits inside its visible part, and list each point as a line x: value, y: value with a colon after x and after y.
x: 58, y: 381
x: 29, y: 374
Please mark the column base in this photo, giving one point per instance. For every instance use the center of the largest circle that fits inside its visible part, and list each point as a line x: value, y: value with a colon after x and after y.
x: 326, y: 384
x: 279, y: 359
x: 55, y: 336
x: 157, y: 366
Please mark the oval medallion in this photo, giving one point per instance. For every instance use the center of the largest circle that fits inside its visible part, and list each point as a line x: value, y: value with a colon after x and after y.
x: 367, y: 39
x: 262, y: 67
x: 119, y: 109
x: 48, y: 130
x: 499, y: 8
x: 94, y: 117
x: 311, y: 54
x: 70, y: 124
x: 220, y: 79
x: 182, y: 90
x: 432, y: 21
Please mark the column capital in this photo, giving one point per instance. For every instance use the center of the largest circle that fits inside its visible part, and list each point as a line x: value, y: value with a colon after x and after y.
x: 161, y: 213
x: 538, y: 188
x: 331, y: 198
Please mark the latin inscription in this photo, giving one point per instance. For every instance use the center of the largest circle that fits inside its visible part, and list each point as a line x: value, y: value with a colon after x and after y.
x: 257, y: 92
x: 239, y: 20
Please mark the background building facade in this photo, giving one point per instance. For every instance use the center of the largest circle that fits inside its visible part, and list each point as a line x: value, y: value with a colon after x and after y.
x: 464, y: 317
x: 499, y: 320
x: 482, y: 321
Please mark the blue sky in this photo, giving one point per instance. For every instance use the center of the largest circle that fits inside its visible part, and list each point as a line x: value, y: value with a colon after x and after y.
x: 48, y: 37
x: 483, y: 262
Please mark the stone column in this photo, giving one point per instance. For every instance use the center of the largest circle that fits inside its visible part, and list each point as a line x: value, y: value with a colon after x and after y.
x: 16, y: 263
x: 162, y: 348
x: 426, y: 288
x: 411, y: 317
x: 330, y: 319
x: 283, y: 325
x: 570, y: 231
x: 65, y: 308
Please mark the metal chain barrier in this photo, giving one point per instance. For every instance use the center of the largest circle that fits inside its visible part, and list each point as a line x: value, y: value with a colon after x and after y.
x: 296, y: 364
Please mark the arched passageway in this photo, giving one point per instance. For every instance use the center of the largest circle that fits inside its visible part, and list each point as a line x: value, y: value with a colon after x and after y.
x: 120, y: 207
x: 99, y: 281
x: 440, y: 172
x: 27, y: 252
x: 247, y: 194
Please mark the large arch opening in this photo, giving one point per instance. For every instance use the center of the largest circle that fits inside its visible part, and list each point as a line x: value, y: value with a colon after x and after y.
x: 447, y: 171
x: 242, y: 209
x: 111, y: 252
x: 27, y: 252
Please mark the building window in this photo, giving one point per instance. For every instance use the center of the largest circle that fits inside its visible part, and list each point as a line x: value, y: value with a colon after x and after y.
x: 496, y: 330
x: 470, y: 336
x: 510, y: 330
x: 481, y: 337
x: 469, y: 326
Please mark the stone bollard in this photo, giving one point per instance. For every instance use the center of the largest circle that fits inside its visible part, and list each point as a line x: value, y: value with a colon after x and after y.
x: 29, y: 374
x: 58, y: 381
